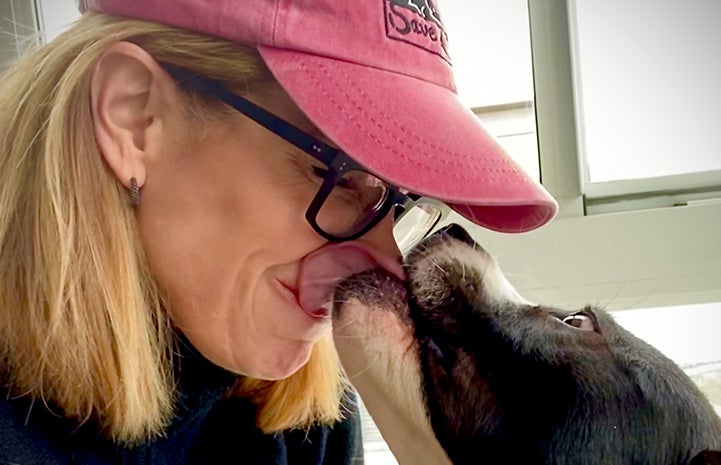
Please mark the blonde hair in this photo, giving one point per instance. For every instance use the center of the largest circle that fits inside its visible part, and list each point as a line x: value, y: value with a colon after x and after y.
x: 82, y: 324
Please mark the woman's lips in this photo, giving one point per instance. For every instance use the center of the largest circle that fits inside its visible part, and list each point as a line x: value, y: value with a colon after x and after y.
x: 291, y: 295
x: 323, y: 270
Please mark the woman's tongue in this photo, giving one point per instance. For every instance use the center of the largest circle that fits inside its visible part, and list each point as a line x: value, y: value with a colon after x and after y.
x: 322, y: 271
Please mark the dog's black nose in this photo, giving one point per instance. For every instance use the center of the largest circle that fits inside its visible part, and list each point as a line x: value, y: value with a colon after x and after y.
x: 456, y: 231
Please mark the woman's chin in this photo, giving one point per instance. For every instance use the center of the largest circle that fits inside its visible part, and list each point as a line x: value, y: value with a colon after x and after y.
x: 282, y: 364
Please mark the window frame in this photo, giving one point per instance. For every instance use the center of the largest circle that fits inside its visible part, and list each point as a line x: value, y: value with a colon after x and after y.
x: 650, y: 257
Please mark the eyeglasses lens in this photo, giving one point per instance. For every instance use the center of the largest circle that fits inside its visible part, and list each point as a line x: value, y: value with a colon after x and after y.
x: 352, y: 204
x: 415, y: 224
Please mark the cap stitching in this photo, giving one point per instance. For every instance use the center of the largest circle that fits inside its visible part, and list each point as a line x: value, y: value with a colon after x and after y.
x: 493, y: 177
x: 274, y: 27
x: 413, y: 135
x: 348, y: 79
x: 348, y: 97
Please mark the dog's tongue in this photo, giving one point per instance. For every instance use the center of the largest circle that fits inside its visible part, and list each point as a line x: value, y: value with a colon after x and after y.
x: 322, y: 271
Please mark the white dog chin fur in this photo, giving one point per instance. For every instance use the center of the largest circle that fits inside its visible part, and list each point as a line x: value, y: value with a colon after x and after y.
x: 380, y: 356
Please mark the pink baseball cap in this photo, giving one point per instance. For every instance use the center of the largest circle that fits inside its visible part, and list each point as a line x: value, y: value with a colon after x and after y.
x: 375, y: 76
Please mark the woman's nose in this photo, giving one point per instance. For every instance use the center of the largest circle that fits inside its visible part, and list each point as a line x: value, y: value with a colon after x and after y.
x: 381, y: 237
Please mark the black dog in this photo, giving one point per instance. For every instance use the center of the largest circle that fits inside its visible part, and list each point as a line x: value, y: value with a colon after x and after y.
x: 455, y: 367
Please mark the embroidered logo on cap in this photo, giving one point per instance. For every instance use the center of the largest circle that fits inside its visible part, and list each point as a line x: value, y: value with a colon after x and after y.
x: 418, y: 23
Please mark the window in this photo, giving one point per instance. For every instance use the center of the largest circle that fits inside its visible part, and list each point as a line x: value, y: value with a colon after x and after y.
x: 646, y: 81
x: 643, y: 257
x: 646, y: 89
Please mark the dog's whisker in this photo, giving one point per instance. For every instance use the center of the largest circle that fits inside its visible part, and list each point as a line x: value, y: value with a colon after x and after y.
x: 609, y: 301
x: 353, y: 337
x: 437, y: 265
x: 363, y: 370
x: 346, y: 324
x: 425, y: 252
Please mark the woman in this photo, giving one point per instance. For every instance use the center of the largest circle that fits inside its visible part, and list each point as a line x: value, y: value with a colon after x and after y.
x: 182, y: 184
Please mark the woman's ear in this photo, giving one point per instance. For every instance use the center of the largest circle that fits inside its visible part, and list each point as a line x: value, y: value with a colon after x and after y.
x: 131, y: 96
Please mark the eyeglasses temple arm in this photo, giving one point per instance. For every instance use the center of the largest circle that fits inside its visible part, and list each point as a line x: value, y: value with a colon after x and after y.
x: 194, y: 82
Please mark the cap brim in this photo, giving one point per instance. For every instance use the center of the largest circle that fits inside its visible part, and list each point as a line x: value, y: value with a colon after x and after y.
x: 416, y: 135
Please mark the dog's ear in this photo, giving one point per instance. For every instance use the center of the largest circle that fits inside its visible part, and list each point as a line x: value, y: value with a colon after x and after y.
x: 707, y: 457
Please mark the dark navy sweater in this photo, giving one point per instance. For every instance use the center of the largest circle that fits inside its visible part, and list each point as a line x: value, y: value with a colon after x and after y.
x: 209, y: 428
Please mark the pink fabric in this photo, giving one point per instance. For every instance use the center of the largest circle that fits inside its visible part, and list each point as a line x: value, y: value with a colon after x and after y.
x: 375, y: 77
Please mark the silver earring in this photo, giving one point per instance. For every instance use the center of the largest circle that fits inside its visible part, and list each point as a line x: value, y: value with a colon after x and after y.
x: 134, y: 192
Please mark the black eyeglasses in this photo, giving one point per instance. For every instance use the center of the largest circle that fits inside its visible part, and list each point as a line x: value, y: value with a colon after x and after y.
x: 350, y: 200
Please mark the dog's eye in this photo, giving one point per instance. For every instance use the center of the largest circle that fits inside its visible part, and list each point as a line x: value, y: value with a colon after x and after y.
x: 580, y: 321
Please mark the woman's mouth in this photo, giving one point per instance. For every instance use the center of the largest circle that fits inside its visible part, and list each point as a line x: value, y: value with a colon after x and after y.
x: 322, y: 271
x: 291, y: 294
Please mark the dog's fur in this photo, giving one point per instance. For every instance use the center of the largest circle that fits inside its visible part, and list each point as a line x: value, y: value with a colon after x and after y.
x: 455, y: 367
